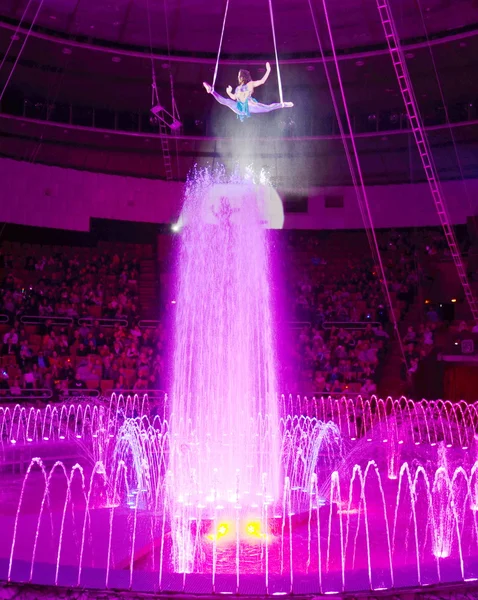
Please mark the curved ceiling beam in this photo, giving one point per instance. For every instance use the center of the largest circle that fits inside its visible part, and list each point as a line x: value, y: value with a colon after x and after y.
x: 202, y: 138
x: 60, y: 38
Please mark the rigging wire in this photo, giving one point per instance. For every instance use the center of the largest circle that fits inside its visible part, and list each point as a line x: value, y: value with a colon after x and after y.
x: 155, y: 99
x: 355, y: 171
x: 14, y: 37
x: 52, y: 100
x: 174, y: 108
x: 220, y: 44
x: 276, y: 53
x: 279, y: 81
x: 154, y: 90
x: 445, y: 108
x: 20, y: 52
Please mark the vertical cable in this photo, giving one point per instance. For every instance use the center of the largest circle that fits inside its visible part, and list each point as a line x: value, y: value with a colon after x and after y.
x: 279, y: 81
x: 220, y: 45
x: 14, y: 36
x: 32, y: 24
x: 355, y: 171
x: 445, y: 108
x: 154, y: 89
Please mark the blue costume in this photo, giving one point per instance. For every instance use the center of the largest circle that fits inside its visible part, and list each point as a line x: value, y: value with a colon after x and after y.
x: 250, y: 105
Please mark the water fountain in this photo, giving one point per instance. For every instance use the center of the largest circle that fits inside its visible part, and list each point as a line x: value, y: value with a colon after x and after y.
x: 225, y: 486
x: 386, y: 501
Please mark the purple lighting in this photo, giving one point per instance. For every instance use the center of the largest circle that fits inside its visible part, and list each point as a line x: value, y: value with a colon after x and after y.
x: 224, y: 485
x: 225, y: 422
x: 101, y: 507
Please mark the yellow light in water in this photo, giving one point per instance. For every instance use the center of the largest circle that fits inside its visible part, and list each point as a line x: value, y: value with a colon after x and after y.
x: 253, y: 528
x: 221, y: 531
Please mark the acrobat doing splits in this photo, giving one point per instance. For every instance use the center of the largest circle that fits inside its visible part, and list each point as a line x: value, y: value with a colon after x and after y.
x: 241, y: 101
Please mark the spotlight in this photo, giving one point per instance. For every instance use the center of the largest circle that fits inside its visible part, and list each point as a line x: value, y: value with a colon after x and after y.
x: 175, y: 227
x: 221, y: 531
x: 453, y: 300
x: 253, y: 528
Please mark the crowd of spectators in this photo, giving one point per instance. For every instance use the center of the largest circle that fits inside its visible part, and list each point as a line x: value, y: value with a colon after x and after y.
x: 344, y: 339
x: 69, y: 287
x: 337, y: 297
x: 346, y: 309
x: 45, y: 347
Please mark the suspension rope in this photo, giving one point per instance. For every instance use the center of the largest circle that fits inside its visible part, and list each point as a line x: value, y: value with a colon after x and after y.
x: 174, y: 107
x: 356, y: 171
x: 445, y: 108
x: 276, y: 54
x: 14, y: 37
x: 220, y: 45
x: 279, y: 81
x: 32, y: 24
x: 154, y: 89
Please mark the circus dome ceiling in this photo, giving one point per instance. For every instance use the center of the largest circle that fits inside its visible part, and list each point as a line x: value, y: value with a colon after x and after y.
x: 87, y: 64
x: 194, y: 26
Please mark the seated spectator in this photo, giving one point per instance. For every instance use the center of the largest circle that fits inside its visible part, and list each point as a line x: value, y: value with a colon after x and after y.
x: 4, y: 387
x: 78, y: 384
x: 10, y: 342
x: 410, y: 336
x: 15, y: 388
x: 368, y: 388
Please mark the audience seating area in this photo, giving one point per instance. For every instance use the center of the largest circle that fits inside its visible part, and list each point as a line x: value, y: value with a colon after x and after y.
x: 337, y: 292
x: 71, y: 320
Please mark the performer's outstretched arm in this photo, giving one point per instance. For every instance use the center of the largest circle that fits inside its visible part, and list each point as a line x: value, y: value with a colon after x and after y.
x: 230, y: 93
x: 264, y: 79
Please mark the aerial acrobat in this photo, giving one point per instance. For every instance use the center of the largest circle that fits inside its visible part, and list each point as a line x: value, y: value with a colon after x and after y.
x: 241, y: 101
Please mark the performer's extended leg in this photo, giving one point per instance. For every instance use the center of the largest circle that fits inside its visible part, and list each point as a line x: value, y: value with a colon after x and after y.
x: 258, y: 107
x: 232, y: 104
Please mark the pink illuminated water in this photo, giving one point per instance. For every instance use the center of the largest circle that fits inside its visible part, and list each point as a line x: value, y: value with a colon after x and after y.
x: 225, y: 486
x: 389, y: 502
x: 224, y: 397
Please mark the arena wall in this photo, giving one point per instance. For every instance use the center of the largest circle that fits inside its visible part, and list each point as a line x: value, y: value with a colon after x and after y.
x: 34, y: 194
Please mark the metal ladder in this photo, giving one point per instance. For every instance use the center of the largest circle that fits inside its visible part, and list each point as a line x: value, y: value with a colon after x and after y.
x: 406, y: 88
x: 168, y: 166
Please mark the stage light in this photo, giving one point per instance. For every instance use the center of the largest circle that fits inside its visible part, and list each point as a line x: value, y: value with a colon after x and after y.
x: 221, y: 531
x: 253, y: 528
x: 453, y: 300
